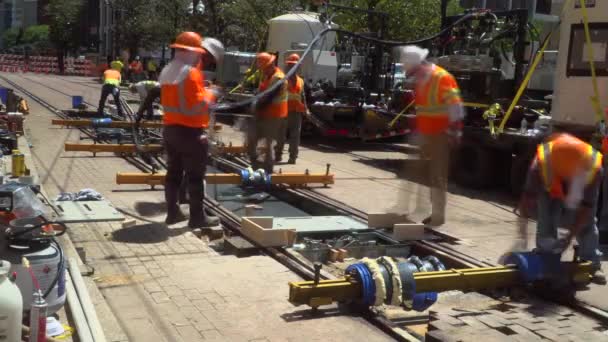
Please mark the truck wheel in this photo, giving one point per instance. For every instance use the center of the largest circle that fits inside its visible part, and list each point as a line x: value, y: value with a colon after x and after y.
x: 473, y: 166
x: 519, y: 172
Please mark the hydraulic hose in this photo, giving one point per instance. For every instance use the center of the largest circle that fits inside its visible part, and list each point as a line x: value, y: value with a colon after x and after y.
x: 227, y: 107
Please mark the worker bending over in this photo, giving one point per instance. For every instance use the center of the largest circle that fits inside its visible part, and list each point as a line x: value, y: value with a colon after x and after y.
x: 566, y: 174
x: 186, y: 102
x: 148, y: 91
x: 111, y: 85
x: 439, y: 115
x: 270, y: 111
x: 296, y: 105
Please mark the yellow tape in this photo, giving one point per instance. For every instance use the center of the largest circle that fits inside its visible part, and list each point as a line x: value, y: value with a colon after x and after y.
x: 595, y: 99
x: 524, y: 84
x: 392, y: 123
x: 526, y: 80
x: 476, y: 105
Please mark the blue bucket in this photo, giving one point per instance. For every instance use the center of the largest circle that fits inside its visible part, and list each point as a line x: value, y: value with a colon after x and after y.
x: 4, y: 95
x: 76, y: 101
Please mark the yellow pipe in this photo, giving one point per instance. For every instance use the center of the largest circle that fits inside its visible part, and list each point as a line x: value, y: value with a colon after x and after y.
x: 116, y: 148
x: 131, y: 148
x: 113, y: 124
x: 470, y: 279
x: 227, y: 178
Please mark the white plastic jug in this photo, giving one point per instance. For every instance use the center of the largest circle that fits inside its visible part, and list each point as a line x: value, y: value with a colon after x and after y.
x: 11, y: 306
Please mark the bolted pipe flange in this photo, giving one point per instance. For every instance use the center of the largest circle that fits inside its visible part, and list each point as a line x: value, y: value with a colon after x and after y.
x: 363, y: 275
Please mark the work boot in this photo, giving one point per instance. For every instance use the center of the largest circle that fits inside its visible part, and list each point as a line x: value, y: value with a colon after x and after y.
x: 291, y: 161
x: 433, y: 221
x: 598, y: 277
x: 175, y: 217
x: 206, y: 222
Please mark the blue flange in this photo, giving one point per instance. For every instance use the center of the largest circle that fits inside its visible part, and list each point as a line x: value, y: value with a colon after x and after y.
x: 535, y: 266
x: 424, y: 300
x: 244, y: 176
x: 364, y: 276
x: 101, y: 122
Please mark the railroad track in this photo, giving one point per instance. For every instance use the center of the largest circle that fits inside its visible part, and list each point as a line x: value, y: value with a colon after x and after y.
x: 231, y: 222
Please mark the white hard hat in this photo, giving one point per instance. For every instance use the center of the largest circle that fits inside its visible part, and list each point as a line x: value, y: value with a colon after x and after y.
x: 215, y: 48
x: 412, y: 55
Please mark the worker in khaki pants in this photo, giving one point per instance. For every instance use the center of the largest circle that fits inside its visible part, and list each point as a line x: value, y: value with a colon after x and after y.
x: 297, y: 108
x: 439, y: 115
x: 270, y: 111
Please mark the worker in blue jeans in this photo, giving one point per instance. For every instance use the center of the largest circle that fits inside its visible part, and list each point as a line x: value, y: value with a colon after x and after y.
x: 565, y: 179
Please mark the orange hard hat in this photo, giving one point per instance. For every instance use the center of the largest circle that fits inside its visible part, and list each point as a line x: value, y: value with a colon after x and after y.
x: 569, y: 156
x: 190, y: 41
x: 294, y: 58
x: 264, y: 60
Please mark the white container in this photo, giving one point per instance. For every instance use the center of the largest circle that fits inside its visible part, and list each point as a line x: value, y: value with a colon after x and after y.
x: 11, y: 306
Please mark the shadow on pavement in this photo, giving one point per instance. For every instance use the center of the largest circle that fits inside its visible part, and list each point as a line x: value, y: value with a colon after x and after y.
x: 308, y: 314
x: 149, y: 209
x: 147, y: 233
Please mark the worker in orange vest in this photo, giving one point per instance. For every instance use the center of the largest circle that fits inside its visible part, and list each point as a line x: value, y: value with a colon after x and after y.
x: 439, y: 115
x: 111, y: 85
x: 270, y: 111
x: 566, y: 173
x: 186, y: 103
x: 296, y: 104
x: 603, y: 212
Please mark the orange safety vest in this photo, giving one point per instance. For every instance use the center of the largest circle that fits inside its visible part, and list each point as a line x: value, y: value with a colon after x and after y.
x: 432, y: 99
x: 278, y: 107
x: 186, y: 103
x: 112, y: 77
x: 294, y: 99
x: 553, y: 184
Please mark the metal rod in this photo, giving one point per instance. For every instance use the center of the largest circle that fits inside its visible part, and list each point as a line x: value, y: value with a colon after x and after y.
x: 80, y: 321
x: 85, y: 300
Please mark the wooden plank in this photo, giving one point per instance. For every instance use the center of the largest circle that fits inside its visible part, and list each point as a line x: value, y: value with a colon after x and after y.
x: 266, y: 236
x: 386, y: 220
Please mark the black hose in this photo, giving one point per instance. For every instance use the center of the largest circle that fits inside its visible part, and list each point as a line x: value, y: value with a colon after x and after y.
x: 60, y: 268
x: 226, y: 107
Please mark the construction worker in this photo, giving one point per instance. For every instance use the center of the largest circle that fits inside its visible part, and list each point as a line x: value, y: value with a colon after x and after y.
x: 566, y: 174
x: 252, y: 78
x: 213, y: 59
x: 186, y: 103
x: 152, y: 69
x: 111, y: 85
x: 296, y: 105
x: 603, y: 210
x: 136, y: 70
x: 148, y: 92
x: 269, y: 112
x: 439, y: 115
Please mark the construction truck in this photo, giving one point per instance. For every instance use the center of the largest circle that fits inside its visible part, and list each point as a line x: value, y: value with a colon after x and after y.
x: 358, y: 89
x: 350, y: 81
x: 512, y: 102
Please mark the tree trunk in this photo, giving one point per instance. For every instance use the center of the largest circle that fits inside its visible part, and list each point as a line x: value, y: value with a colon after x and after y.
x: 60, y: 59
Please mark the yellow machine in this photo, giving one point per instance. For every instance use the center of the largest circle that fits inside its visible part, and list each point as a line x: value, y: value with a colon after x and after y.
x: 415, y: 283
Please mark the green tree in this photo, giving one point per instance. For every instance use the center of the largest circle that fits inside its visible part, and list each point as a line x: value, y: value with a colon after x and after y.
x: 37, y: 35
x: 408, y: 20
x: 11, y: 37
x: 63, y: 28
